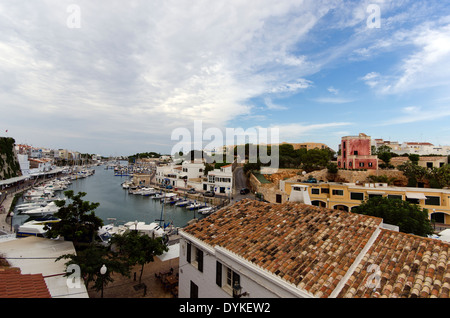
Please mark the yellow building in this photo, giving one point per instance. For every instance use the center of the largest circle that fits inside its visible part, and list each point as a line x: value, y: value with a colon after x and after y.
x: 345, y: 196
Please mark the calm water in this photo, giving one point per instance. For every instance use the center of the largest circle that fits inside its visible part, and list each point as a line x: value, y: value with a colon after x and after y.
x: 115, y: 202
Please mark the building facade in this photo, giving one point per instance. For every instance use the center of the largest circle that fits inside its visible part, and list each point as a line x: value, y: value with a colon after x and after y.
x: 356, y: 153
x: 345, y: 196
x: 220, y: 181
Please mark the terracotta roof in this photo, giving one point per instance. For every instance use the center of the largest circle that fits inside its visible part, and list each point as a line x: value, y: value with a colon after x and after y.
x: 314, y: 248
x: 409, y: 266
x: 13, y: 284
x: 305, y: 245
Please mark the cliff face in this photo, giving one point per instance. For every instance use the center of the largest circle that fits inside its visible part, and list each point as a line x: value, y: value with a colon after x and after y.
x: 9, y: 164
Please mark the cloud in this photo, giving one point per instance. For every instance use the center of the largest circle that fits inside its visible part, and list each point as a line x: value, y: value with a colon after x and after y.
x: 294, y: 131
x: 426, y: 65
x: 333, y: 100
x: 271, y: 106
x: 146, y: 67
x: 412, y: 114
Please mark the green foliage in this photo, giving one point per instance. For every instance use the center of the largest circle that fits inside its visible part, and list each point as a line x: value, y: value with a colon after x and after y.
x: 413, y: 172
x: 139, y: 248
x: 91, y: 259
x: 382, y: 179
x: 9, y: 166
x: 79, y: 223
x: 140, y: 155
x: 440, y: 177
x: 410, y: 218
x: 332, y: 168
x: 414, y: 158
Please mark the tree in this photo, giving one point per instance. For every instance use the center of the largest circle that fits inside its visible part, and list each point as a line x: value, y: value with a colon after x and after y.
x: 413, y: 172
x: 138, y: 248
x: 384, y: 153
x: 440, y: 177
x: 315, y: 159
x: 91, y: 259
x: 382, y: 179
x: 78, y: 222
x: 410, y: 218
x: 414, y: 158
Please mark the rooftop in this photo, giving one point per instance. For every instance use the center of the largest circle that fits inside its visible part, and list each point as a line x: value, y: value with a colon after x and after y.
x: 327, y: 252
x: 13, y: 284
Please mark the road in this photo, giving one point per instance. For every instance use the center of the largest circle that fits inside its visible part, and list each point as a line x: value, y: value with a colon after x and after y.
x: 240, y: 181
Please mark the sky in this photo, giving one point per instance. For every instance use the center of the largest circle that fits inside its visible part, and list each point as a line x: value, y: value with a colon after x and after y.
x: 122, y: 77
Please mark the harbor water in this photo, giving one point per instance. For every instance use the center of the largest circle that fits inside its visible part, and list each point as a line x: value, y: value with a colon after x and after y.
x: 118, y: 206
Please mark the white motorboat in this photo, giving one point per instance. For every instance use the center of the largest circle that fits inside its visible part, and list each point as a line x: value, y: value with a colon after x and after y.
x: 126, y: 184
x: 193, y: 206
x: 182, y: 203
x: 207, y: 210
x: 34, y: 228
x: 147, y: 191
x: 48, y: 209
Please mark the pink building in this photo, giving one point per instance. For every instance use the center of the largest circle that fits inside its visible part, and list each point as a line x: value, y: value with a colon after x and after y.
x: 356, y: 153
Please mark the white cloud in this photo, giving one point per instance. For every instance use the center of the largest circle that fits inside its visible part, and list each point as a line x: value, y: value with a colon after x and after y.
x: 295, y: 131
x: 270, y: 105
x: 146, y: 67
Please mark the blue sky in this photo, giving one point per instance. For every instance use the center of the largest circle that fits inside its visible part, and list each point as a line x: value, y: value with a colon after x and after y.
x: 118, y: 78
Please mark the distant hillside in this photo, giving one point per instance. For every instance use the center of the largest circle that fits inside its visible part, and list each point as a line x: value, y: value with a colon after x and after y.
x: 9, y: 164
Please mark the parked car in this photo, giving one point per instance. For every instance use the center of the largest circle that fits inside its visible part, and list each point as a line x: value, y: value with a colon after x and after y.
x: 191, y: 191
x: 169, y: 187
x: 209, y: 194
x: 244, y: 191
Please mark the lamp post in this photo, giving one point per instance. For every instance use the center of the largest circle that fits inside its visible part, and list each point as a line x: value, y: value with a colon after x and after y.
x: 103, y: 272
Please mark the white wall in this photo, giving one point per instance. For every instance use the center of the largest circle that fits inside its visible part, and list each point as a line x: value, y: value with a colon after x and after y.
x: 253, y: 280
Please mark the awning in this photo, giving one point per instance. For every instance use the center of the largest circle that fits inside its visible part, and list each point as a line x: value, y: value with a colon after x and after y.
x: 416, y: 195
x: 376, y: 192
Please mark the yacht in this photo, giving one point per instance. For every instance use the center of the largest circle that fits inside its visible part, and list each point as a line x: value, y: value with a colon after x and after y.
x: 48, y: 209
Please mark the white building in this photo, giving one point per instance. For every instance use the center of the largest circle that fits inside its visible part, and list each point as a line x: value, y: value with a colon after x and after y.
x: 188, y: 174
x: 220, y: 180
x: 24, y: 164
x: 254, y: 249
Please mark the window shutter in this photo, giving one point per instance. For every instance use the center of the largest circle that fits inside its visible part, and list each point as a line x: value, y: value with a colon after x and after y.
x: 188, y: 252
x: 218, y: 274
x: 200, y: 260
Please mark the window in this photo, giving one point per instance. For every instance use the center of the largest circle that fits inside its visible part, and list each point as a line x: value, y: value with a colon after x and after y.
x: 338, y: 192
x: 432, y: 200
x: 370, y: 164
x: 194, y: 290
x: 315, y: 191
x: 355, y: 152
x: 228, y: 280
x: 197, y: 260
x: 357, y: 196
x: 325, y: 190
x: 395, y: 197
x: 361, y: 164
